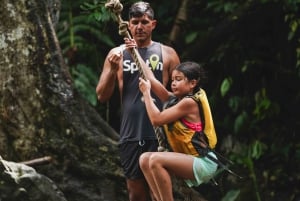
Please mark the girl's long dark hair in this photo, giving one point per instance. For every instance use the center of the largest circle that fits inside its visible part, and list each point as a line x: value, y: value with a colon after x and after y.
x: 193, y: 71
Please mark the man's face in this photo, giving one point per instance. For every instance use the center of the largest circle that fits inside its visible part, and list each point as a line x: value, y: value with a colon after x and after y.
x: 141, y: 28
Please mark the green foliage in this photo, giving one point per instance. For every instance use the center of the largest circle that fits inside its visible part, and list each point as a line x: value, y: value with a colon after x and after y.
x: 292, y: 18
x: 79, y: 29
x: 264, y: 107
x: 247, y: 156
x: 256, y: 149
x: 222, y: 6
x: 85, y: 81
x: 96, y: 10
x: 235, y: 103
x: 82, y: 35
x: 225, y: 86
x: 191, y: 37
x: 241, y: 123
x: 231, y: 195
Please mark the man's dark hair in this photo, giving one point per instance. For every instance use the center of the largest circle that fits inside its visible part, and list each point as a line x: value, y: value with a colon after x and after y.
x: 141, y: 8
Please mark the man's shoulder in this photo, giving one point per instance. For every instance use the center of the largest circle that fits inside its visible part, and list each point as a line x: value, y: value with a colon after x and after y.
x: 162, y: 44
x: 168, y: 49
x: 170, y: 54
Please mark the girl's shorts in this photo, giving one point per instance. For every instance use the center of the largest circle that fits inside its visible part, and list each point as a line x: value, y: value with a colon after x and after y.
x: 204, y: 170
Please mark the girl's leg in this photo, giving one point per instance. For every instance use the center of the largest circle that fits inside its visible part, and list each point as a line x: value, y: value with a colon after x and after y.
x: 164, y: 164
x: 144, y: 165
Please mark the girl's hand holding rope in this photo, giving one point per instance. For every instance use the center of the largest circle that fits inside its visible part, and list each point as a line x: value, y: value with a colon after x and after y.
x: 144, y: 86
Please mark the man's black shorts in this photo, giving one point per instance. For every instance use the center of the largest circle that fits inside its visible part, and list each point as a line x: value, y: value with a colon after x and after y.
x: 129, y: 155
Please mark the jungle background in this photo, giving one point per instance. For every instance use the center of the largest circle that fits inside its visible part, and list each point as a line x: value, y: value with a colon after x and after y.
x: 251, y: 51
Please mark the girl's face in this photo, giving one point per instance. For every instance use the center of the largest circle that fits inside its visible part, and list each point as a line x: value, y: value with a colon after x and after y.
x: 180, y: 85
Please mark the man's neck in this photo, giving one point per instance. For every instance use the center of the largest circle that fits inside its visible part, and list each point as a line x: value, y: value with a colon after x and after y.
x: 144, y: 44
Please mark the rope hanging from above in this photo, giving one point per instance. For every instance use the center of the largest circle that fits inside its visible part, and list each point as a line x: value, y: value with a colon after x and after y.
x: 116, y: 7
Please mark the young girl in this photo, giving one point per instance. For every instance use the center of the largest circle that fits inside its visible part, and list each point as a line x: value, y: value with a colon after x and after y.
x: 181, y: 123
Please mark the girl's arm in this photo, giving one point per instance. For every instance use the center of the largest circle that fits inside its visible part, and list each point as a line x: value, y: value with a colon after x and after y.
x: 186, y: 108
x: 157, y: 87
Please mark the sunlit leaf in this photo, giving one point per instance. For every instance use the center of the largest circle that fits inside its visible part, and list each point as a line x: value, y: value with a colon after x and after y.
x: 231, y: 195
x: 225, y: 86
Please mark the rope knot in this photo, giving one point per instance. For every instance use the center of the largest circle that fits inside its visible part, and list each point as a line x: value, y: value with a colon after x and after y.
x: 115, y: 6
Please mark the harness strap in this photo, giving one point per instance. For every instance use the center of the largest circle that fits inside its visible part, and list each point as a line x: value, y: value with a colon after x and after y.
x: 225, y: 167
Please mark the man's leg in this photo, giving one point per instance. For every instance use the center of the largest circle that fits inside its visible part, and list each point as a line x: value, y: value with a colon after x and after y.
x: 130, y: 152
x: 137, y: 190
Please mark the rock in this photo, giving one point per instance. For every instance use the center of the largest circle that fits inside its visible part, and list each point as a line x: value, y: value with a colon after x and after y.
x: 19, y: 182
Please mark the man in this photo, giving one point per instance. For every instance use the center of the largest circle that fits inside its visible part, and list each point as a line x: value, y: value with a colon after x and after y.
x: 136, y: 132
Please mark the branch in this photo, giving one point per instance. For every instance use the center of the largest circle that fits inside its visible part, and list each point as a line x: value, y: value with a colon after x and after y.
x: 38, y: 161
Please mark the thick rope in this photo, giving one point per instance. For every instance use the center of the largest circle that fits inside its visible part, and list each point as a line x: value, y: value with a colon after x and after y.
x: 116, y: 7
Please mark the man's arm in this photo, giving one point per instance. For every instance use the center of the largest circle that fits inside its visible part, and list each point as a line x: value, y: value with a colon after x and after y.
x: 108, y: 77
x: 171, y: 60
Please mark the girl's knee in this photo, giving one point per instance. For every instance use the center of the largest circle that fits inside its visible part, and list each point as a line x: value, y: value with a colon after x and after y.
x: 144, y: 160
x: 154, y: 160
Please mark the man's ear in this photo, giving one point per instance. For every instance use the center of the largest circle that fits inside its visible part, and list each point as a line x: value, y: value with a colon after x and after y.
x: 154, y: 22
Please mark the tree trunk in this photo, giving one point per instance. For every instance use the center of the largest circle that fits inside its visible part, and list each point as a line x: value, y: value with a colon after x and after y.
x: 42, y: 115
x: 176, y: 36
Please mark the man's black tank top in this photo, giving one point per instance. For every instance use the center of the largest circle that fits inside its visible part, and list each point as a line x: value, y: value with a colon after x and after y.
x: 135, y: 124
